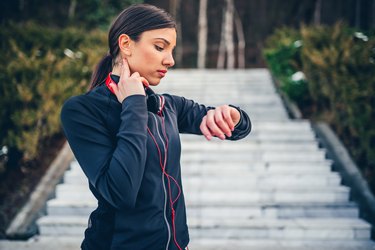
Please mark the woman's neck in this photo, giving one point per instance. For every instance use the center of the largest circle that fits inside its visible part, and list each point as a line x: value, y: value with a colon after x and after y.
x: 116, y: 70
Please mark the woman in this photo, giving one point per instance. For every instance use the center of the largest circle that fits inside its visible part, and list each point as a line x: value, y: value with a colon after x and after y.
x: 127, y: 140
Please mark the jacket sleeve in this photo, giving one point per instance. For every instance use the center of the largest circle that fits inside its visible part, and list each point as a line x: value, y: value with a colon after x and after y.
x: 190, y: 115
x: 114, y: 168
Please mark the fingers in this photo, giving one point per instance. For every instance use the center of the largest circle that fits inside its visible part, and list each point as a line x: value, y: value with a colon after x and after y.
x: 210, y: 127
x: 117, y: 92
x: 135, y: 74
x: 227, y: 117
x: 145, y: 82
x: 217, y: 122
x: 214, y: 126
x: 129, y: 84
x: 204, y: 129
x: 125, y: 70
x: 222, y: 123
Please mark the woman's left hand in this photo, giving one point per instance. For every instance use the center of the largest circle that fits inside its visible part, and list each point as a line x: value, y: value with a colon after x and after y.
x: 220, y: 122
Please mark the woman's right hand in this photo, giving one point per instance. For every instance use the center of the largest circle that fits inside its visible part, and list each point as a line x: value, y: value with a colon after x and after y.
x: 129, y: 84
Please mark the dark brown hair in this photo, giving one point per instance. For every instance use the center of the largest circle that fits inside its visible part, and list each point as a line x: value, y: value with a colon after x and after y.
x: 132, y: 21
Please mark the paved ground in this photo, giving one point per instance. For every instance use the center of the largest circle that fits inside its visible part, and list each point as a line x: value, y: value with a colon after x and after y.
x: 273, y: 190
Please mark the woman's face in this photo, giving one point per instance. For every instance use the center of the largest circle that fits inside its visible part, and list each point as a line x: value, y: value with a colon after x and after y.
x: 152, y: 55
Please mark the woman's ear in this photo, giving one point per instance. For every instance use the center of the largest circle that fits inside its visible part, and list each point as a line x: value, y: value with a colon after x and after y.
x: 124, y: 43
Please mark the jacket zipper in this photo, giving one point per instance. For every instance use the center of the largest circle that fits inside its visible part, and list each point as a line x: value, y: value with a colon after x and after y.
x: 164, y: 188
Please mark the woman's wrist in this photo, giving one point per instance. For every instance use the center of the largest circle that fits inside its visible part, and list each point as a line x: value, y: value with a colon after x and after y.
x: 236, y: 115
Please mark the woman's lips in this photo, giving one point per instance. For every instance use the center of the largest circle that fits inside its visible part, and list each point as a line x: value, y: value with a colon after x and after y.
x: 162, y: 72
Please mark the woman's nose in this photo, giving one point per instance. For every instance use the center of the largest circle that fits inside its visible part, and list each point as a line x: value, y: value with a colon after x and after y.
x: 168, y: 60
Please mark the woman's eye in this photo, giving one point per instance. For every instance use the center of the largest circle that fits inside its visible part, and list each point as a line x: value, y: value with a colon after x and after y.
x: 158, y: 48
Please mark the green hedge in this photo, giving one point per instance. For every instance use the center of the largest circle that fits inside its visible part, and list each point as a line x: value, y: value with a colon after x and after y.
x: 283, y: 55
x: 39, y: 69
x: 339, y: 64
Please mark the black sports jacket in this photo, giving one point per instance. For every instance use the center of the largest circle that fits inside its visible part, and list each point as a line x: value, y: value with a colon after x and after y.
x: 112, y: 144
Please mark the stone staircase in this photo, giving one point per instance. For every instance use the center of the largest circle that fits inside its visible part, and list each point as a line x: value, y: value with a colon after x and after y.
x: 273, y: 190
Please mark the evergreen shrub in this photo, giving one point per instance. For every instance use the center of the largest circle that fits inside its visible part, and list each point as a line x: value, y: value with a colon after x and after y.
x: 339, y: 64
x: 283, y: 55
x: 39, y: 69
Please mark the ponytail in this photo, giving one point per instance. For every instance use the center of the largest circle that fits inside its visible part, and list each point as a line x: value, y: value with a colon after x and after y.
x: 101, y: 71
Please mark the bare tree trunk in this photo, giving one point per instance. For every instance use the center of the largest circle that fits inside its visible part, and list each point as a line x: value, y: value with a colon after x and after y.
x: 317, y: 12
x: 241, y: 40
x: 202, y: 35
x: 221, y: 53
x: 229, y: 34
x: 175, y: 6
x: 358, y: 13
x: 179, y: 48
x: 72, y: 9
x: 21, y: 5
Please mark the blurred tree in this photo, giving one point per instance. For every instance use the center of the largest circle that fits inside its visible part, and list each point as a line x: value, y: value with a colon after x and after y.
x: 241, y: 46
x: 229, y: 43
x: 226, y: 42
x: 202, y: 37
x: 259, y: 19
x: 72, y: 9
x: 317, y: 11
x: 175, y: 10
x: 83, y: 13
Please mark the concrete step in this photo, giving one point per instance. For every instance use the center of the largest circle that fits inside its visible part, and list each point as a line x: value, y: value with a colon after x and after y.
x: 260, y: 169
x: 229, y: 146
x: 285, y: 209
x: 232, y: 194
x: 236, y: 198
x: 272, y: 181
x: 278, y: 166
x: 252, y: 149
x: 62, y: 225
x: 196, y: 184
x: 245, y: 173
x: 280, y: 211
x: 73, y: 242
x: 290, y: 125
x: 262, y: 179
x: 251, y: 210
x: 298, y: 228
x: 235, y: 170
x: 57, y: 242
x: 227, y: 170
x: 276, y: 180
x: 279, y: 244
x: 85, y: 207
x: 265, y: 138
x: 256, y: 156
